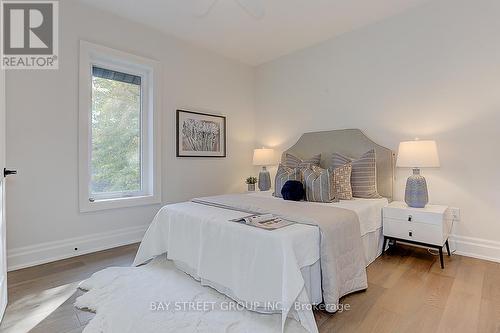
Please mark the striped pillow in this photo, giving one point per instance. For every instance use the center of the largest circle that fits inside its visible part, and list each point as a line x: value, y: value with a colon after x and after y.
x: 342, y: 182
x: 282, y: 176
x: 364, y: 173
x: 318, y: 183
x: 292, y: 161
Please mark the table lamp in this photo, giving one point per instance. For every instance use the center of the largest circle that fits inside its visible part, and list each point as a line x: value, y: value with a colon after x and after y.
x: 417, y: 154
x: 264, y: 157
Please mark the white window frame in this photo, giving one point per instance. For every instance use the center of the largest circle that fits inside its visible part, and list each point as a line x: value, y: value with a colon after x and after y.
x: 149, y: 71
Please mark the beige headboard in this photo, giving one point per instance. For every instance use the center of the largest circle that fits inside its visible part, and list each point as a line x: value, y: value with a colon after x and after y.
x: 348, y: 142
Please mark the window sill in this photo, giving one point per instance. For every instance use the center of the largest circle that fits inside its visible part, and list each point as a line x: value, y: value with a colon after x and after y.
x: 87, y: 206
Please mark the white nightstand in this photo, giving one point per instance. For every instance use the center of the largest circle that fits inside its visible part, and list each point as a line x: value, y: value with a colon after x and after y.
x: 429, y: 226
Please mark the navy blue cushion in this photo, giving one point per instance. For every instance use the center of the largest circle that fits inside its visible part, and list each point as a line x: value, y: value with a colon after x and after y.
x: 293, y: 190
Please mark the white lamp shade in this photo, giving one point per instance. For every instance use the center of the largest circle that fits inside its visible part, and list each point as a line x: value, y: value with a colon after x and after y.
x: 263, y: 156
x: 418, y: 154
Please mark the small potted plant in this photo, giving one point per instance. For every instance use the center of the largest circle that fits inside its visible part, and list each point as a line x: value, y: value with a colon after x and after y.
x: 251, y: 181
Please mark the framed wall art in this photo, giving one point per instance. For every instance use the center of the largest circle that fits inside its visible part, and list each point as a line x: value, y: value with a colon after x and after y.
x: 200, y: 134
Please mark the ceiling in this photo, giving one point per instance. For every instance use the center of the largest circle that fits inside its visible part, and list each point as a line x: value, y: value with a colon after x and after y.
x: 286, y: 26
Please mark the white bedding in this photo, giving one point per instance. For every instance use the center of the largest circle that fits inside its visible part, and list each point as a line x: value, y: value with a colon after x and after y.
x: 270, y: 262
x: 372, y: 246
x: 242, y: 245
x: 369, y: 211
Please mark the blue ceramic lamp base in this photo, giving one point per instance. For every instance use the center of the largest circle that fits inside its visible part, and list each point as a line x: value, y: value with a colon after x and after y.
x: 416, y: 194
x: 264, y: 179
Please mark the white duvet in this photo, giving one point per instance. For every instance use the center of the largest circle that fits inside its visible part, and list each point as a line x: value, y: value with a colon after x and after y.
x: 369, y: 211
x: 256, y: 266
x: 269, y: 261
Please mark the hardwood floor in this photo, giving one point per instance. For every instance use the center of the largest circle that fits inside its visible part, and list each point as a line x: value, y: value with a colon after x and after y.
x: 408, y: 292
x: 41, y: 298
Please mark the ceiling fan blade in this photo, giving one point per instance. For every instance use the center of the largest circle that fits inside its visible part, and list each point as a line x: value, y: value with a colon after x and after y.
x: 253, y: 7
x: 203, y: 7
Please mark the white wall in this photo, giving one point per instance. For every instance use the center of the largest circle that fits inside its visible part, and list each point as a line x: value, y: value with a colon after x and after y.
x: 42, y: 107
x: 432, y: 72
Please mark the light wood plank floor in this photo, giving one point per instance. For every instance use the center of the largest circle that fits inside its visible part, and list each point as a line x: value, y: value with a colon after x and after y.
x: 408, y: 292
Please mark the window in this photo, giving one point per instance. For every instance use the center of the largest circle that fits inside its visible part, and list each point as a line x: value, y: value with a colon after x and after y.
x: 118, y: 129
x: 115, y: 149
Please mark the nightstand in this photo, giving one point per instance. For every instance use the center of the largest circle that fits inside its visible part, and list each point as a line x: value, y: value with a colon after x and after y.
x: 428, y: 227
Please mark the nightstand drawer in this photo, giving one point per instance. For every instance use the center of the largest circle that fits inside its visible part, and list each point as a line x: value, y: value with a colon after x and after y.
x: 418, y: 232
x: 414, y: 215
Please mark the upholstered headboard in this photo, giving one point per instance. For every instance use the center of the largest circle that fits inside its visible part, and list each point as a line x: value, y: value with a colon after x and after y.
x: 348, y: 142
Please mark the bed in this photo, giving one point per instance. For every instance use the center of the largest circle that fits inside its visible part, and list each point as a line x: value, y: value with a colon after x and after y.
x: 319, y: 259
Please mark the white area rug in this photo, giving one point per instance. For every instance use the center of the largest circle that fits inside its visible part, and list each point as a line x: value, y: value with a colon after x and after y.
x: 158, y: 297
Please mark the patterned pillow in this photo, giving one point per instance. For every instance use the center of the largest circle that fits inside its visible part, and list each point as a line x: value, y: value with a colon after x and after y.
x: 319, y: 184
x: 364, y: 173
x: 282, y: 176
x: 342, y: 182
x: 292, y: 161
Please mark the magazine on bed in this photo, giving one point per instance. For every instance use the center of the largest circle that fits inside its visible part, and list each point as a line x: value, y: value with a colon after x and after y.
x: 263, y: 221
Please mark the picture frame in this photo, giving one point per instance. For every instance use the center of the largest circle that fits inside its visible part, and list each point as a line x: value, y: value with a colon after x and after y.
x: 200, y: 134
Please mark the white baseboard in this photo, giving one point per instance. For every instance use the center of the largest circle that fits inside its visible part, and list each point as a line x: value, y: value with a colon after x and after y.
x: 476, y: 247
x: 42, y: 253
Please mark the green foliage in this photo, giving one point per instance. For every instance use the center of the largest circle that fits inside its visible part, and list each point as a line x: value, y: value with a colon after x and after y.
x: 116, y: 127
x: 251, y: 180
